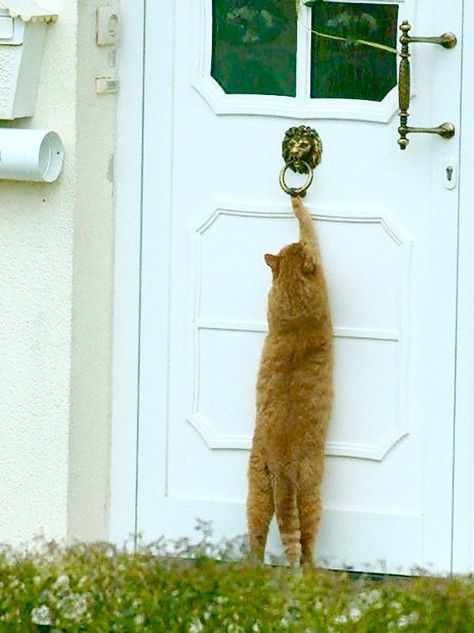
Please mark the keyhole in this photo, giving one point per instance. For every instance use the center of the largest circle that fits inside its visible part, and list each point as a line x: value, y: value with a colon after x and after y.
x: 449, y: 173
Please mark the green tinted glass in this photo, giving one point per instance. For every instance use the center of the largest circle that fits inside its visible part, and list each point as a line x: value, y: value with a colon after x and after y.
x: 254, y: 46
x: 346, y: 68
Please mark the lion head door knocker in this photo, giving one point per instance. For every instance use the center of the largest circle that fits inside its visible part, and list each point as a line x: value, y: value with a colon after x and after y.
x: 302, y: 150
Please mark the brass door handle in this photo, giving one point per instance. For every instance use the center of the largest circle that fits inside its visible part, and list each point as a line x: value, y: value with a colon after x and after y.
x: 445, y: 130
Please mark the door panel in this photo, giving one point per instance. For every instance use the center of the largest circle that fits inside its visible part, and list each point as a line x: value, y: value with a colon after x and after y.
x: 388, y: 231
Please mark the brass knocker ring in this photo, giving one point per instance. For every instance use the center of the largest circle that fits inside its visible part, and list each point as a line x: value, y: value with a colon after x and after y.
x: 301, y: 151
x: 296, y: 191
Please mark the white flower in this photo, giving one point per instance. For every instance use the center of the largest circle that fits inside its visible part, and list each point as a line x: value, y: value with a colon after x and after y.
x: 139, y: 619
x: 82, y: 581
x: 355, y: 614
x: 195, y: 626
x: 405, y: 620
x: 17, y: 585
x: 340, y: 619
x: 374, y: 598
x: 256, y: 628
x: 74, y: 606
x: 42, y: 615
x: 61, y: 582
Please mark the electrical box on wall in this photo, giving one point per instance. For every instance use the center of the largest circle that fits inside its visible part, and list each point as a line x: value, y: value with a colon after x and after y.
x: 23, y: 26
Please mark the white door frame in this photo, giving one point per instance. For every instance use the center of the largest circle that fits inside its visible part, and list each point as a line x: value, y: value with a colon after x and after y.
x: 463, y: 479
x: 134, y: 185
x: 129, y: 199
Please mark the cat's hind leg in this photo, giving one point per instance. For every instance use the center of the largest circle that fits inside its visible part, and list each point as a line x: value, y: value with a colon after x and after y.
x: 259, y: 504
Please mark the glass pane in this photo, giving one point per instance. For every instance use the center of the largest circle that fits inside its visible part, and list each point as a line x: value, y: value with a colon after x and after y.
x: 254, y: 46
x: 346, y: 68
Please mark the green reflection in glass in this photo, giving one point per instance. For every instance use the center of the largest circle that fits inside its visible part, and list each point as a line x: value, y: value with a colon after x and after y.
x: 254, y: 46
x: 346, y: 69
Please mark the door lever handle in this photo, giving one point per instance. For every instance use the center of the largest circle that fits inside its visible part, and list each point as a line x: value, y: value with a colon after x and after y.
x: 445, y: 130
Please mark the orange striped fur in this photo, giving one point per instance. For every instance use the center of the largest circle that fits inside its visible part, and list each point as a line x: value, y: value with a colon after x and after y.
x: 294, y: 398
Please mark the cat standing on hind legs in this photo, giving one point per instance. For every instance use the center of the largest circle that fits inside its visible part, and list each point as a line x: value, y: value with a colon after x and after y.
x: 294, y: 398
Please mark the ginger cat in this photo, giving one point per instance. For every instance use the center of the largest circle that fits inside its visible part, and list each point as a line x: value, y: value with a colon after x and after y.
x: 294, y: 398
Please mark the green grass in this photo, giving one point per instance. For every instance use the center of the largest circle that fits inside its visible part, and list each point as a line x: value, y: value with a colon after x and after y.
x: 101, y: 588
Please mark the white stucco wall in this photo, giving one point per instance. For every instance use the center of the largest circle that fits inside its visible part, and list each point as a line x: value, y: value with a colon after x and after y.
x: 54, y: 240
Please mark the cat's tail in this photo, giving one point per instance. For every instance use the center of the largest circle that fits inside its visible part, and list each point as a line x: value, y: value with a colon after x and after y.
x: 286, y: 510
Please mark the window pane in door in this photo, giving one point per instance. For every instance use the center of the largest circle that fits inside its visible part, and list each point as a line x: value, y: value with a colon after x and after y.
x: 254, y: 46
x: 350, y: 59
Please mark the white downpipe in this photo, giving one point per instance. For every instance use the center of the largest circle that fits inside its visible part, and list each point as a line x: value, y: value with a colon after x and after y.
x: 30, y: 155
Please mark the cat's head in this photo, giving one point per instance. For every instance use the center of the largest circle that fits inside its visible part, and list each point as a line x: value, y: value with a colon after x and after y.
x: 292, y: 261
x: 297, y: 291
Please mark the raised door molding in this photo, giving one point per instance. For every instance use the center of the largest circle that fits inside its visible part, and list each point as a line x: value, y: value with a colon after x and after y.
x: 397, y: 337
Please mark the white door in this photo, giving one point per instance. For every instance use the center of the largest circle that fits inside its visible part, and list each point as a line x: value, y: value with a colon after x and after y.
x: 224, y: 80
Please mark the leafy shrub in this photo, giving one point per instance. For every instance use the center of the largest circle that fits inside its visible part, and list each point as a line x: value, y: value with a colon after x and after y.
x: 102, y: 588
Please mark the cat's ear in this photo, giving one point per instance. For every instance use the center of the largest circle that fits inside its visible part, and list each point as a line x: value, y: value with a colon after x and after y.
x: 309, y: 266
x: 274, y: 262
